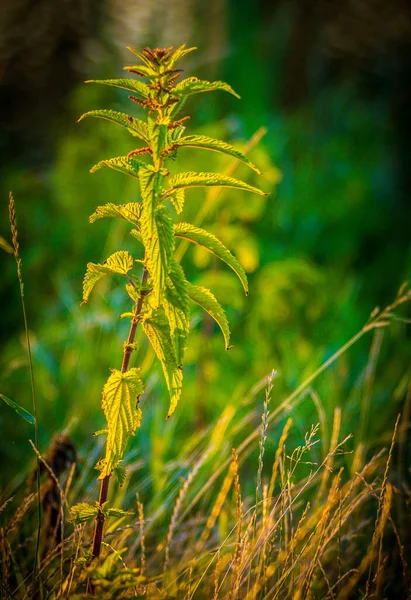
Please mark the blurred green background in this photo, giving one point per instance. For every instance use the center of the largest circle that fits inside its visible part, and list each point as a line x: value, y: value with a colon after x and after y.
x: 332, y: 85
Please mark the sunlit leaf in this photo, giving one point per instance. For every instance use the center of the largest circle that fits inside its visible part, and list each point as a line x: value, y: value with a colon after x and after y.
x: 192, y: 179
x: 157, y: 329
x: 193, y: 85
x: 120, y: 262
x: 133, y: 125
x: 131, y: 85
x: 83, y: 512
x: 204, y: 298
x: 210, y: 242
x: 119, y: 398
x: 207, y: 143
x: 129, y: 212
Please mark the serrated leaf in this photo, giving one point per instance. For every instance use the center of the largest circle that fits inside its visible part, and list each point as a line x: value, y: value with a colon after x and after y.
x: 120, y: 473
x: 123, y: 417
x: 22, y: 412
x: 133, y: 125
x: 193, y: 85
x: 140, y: 55
x: 125, y: 83
x: 157, y: 329
x: 176, y: 309
x: 117, y: 512
x: 192, y: 179
x: 179, y: 53
x: 204, y: 298
x: 83, y: 512
x: 143, y: 70
x: 122, y: 164
x: 129, y: 212
x: 177, y: 200
x: 204, y: 238
x: 207, y: 143
x: 136, y: 234
x: 157, y: 234
x: 120, y: 262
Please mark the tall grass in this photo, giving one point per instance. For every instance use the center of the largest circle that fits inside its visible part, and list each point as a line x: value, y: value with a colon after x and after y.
x: 266, y: 519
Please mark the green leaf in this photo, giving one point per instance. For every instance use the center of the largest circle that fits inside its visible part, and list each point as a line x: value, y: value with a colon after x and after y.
x: 204, y: 298
x: 192, y: 179
x: 119, y: 399
x: 207, y: 143
x: 129, y: 212
x: 19, y: 409
x: 176, y: 309
x: 177, y: 200
x: 120, y: 262
x: 157, y: 234
x: 157, y: 329
x: 177, y: 54
x: 144, y: 71
x: 145, y: 59
x: 83, y: 512
x: 201, y: 237
x: 123, y: 164
x: 117, y: 512
x: 120, y: 474
x: 131, y: 85
x: 136, y: 234
x: 134, y: 126
x: 193, y: 85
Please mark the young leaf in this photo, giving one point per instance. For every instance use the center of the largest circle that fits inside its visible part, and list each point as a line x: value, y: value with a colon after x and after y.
x: 204, y: 298
x: 143, y: 57
x: 207, y: 143
x: 83, y: 512
x: 177, y: 200
x: 176, y: 309
x: 117, y: 512
x: 124, y: 164
x: 143, y: 71
x: 192, y: 179
x: 136, y: 234
x: 129, y: 212
x: 131, y: 85
x: 134, y: 126
x: 193, y: 85
x: 120, y: 474
x: 157, y: 329
x: 19, y: 409
x: 177, y: 54
x: 201, y: 237
x: 120, y: 262
x: 120, y: 393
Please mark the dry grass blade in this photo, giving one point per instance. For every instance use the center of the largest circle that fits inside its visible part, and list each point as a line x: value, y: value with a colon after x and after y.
x: 14, y: 233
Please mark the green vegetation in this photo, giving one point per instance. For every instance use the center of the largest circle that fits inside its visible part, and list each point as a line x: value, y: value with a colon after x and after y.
x: 161, y: 296
x: 297, y: 494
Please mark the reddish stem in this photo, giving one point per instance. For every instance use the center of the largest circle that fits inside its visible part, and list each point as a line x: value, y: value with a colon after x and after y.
x: 128, y: 349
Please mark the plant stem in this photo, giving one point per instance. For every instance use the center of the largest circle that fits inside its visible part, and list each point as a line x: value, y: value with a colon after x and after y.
x: 128, y: 349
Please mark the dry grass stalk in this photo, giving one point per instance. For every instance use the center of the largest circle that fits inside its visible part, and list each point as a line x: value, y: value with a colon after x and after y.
x: 367, y: 560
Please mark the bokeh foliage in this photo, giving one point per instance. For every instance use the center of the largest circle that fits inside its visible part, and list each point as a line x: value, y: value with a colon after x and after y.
x: 329, y: 244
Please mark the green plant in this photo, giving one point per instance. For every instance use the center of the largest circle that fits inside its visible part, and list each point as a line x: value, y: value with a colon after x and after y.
x: 161, y: 294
